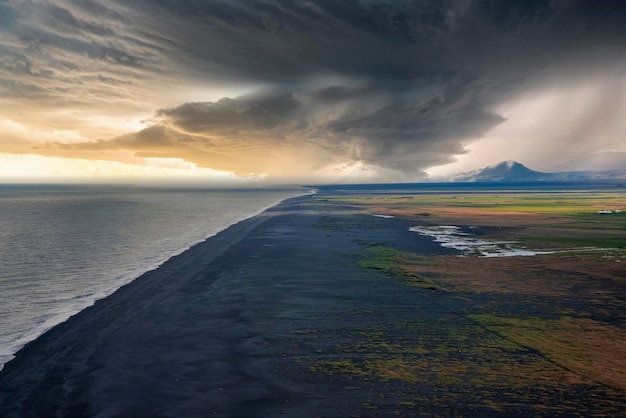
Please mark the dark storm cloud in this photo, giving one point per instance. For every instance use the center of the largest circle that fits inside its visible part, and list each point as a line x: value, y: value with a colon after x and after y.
x: 362, y: 123
x: 429, y: 73
x: 286, y: 41
x: 259, y: 112
x: 398, y: 84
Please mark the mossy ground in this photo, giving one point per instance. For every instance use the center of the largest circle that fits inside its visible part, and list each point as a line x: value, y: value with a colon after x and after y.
x: 502, y: 334
x: 394, y: 264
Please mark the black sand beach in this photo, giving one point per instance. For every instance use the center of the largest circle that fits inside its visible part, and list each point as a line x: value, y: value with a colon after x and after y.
x: 276, y: 317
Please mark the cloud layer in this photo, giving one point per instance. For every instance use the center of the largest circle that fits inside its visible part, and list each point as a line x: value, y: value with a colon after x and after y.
x: 401, y: 85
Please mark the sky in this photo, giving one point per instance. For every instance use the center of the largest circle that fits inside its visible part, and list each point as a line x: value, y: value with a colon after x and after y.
x: 286, y: 92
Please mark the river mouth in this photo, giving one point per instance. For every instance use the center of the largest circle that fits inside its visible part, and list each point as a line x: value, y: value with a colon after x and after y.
x: 454, y: 237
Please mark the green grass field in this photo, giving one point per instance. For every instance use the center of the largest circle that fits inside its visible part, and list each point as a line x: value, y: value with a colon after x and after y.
x: 565, y: 219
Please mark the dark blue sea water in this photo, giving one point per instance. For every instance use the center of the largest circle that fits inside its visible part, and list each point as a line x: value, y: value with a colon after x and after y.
x: 63, y: 247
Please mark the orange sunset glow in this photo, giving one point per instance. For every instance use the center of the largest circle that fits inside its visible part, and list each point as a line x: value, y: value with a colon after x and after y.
x: 131, y: 91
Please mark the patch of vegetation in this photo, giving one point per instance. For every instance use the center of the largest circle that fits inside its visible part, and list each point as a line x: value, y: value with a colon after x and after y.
x: 393, y: 263
x: 588, y: 348
x: 459, y: 360
x: 615, y: 220
x: 581, y: 241
x: 567, y: 204
x: 345, y: 367
x: 381, y: 258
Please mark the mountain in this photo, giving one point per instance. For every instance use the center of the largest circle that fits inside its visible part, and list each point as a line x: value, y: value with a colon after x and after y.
x: 514, y: 171
x: 505, y: 171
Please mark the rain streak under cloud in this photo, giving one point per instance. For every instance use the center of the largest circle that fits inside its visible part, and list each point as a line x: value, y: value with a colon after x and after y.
x: 314, y: 90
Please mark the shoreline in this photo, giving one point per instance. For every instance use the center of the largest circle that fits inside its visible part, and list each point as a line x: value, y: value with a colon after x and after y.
x: 150, y: 269
x: 161, y: 281
x: 299, y: 311
x: 104, y: 292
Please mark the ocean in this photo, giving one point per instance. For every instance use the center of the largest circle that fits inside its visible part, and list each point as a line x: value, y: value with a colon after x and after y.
x: 64, y: 247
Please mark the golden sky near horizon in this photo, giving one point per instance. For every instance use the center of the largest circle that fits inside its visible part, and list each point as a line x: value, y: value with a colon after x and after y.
x: 270, y: 92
